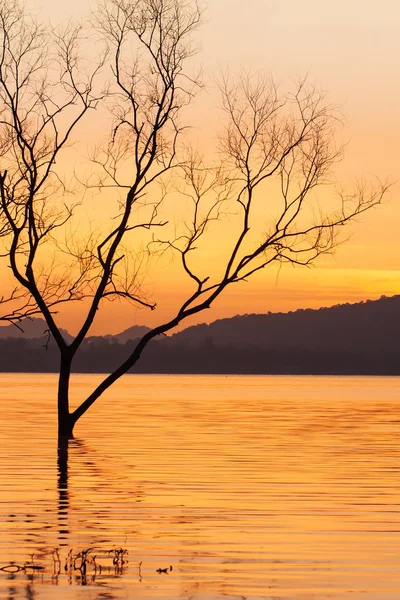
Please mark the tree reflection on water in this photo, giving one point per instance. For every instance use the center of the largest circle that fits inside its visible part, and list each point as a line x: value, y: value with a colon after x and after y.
x: 62, y: 565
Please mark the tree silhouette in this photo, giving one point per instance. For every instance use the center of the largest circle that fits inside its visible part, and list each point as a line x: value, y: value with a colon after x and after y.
x: 275, y: 150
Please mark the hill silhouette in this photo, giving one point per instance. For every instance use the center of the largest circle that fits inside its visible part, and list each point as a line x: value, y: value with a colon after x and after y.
x: 340, y: 327
x: 360, y: 338
x: 29, y: 328
x: 34, y: 327
x: 132, y: 333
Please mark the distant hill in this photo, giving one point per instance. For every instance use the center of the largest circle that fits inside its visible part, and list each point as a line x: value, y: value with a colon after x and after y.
x: 134, y: 332
x: 362, y: 338
x: 28, y: 329
x: 36, y: 328
x: 342, y: 327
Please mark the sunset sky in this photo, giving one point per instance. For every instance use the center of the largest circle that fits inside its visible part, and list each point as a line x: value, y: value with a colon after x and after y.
x: 351, y: 50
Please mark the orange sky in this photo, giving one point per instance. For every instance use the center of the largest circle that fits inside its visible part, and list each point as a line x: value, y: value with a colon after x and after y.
x: 352, y: 49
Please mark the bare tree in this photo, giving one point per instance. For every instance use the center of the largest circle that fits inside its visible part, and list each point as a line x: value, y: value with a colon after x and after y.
x: 275, y: 150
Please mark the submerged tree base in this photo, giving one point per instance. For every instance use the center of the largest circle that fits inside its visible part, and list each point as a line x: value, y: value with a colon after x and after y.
x: 65, y: 430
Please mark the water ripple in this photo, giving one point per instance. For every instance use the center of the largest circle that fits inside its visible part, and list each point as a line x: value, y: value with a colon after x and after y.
x: 248, y: 487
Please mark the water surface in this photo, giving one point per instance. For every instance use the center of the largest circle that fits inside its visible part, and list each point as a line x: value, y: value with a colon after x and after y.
x: 247, y: 486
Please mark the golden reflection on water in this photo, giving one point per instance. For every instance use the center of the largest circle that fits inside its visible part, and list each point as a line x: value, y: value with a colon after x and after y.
x: 249, y: 487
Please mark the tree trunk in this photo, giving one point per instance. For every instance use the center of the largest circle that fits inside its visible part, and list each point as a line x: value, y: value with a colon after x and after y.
x: 66, y: 421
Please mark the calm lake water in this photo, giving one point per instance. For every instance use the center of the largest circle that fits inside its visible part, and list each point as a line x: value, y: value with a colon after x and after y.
x: 247, y: 486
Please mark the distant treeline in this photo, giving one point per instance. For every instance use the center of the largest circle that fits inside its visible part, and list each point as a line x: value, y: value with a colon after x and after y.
x: 18, y: 355
x: 361, y: 338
